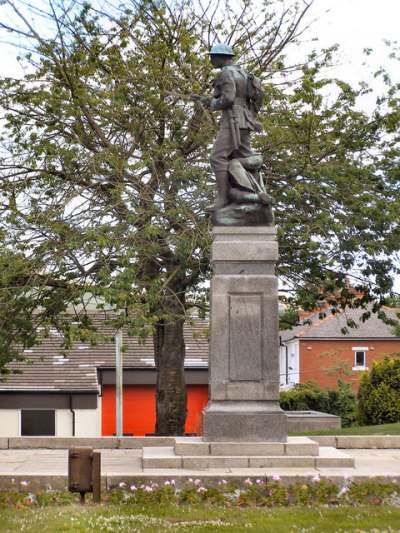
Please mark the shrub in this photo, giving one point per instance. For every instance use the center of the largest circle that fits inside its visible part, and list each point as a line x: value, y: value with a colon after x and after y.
x: 342, y: 402
x: 309, y: 396
x: 304, y: 397
x: 379, y: 393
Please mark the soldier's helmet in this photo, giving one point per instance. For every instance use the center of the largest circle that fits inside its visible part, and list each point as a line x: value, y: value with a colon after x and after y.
x: 221, y: 50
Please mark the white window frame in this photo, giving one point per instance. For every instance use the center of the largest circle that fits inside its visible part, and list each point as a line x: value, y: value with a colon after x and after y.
x: 363, y: 349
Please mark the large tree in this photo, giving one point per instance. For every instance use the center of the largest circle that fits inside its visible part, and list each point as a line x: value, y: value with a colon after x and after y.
x: 104, y: 170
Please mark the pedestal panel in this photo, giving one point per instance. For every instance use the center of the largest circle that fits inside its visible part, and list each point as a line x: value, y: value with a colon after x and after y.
x: 244, y: 349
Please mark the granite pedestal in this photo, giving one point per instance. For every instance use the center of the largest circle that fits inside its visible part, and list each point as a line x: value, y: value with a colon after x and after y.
x: 244, y: 351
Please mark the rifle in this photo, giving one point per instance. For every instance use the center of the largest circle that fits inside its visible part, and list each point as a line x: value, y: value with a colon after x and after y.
x: 190, y: 97
x: 234, y: 129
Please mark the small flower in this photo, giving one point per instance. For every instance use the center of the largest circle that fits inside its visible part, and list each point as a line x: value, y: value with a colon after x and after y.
x: 222, y: 482
x: 190, y: 480
x: 316, y: 478
x: 148, y: 489
x: 133, y: 487
x: 172, y: 481
x: 122, y: 484
x: 201, y: 489
x: 258, y: 481
x: 248, y: 481
x: 197, y: 481
x: 167, y: 482
x: 342, y: 491
x: 347, y: 476
x: 31, y: 498
x: 24, y: 483
x: 275, y: 477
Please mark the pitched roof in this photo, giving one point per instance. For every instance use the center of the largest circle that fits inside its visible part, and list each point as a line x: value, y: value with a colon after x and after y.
x: 49, y: 370
x: 330, y: 327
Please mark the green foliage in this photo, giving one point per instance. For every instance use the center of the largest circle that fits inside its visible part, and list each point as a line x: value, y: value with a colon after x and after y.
x: 342, y: 402
x: 309, y: 396
x: 379, y: 393
x: 304, y: 397
x: 288, y: 319
x: 253, y: 492
x: 104, y: 166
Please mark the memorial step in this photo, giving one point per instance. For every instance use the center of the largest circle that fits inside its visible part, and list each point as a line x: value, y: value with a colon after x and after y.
x: 168, y: 458
x: 197, y: 446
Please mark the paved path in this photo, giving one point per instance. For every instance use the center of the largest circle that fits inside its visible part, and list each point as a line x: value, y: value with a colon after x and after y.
x: 42, y: 468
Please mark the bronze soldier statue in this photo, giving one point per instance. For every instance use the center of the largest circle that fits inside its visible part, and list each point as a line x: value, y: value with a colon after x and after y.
x: 235, y: 165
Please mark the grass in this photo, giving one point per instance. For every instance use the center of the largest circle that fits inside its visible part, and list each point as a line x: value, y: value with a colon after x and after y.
x: 384, y: 429
x: 199, y: 518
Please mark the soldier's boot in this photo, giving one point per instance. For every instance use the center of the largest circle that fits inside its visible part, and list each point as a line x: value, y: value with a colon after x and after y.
x: 222, y: 199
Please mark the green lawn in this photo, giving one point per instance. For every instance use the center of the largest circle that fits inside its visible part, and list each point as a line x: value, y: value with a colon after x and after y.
x: 168, y: 517
x: 384, y: 429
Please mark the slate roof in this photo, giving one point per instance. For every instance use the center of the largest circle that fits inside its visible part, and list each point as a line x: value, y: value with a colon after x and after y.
x: 50, y: 371
x: 329, y: 328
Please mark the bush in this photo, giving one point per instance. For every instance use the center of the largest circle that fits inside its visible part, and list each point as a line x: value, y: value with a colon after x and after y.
x: 342, y: 402
x: 305, y: 397
x: 379, y: 393
x: 310, y: 397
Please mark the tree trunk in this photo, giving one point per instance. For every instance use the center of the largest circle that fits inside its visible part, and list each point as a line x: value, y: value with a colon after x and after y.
x: 169, y: 348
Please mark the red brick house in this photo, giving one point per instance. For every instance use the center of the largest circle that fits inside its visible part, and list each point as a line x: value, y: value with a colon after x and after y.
x: 319, y: 351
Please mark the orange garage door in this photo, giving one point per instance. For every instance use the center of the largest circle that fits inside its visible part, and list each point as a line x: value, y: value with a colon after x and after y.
x: 139, y: 409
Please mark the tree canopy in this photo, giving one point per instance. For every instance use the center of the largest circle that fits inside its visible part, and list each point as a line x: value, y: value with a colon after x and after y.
x: 104, y: 169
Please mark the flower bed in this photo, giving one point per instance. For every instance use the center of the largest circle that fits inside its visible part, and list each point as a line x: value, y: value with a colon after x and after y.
x: 254, y: 492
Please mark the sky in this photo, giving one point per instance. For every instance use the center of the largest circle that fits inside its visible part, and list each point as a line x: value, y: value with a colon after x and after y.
x: 355, y: 25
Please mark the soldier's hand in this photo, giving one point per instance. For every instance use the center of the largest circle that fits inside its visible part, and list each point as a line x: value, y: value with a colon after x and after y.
x: 205, y: 101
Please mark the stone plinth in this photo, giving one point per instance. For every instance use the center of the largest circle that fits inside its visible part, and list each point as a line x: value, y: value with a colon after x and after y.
x: 244, y: 349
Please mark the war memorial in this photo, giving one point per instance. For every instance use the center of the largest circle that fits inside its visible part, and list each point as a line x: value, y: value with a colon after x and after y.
x: 243, y: 424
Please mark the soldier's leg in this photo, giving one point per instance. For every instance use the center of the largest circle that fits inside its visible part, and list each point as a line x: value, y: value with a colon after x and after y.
x: 219, y: 159
x: 244, y: 149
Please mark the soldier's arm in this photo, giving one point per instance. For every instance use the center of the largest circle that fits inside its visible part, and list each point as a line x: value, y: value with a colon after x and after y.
x: 228, y: 92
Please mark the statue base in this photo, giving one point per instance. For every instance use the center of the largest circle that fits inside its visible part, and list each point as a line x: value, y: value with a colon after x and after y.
x: 244, y: 421
x: 244, y: 215
x: 244, y: 349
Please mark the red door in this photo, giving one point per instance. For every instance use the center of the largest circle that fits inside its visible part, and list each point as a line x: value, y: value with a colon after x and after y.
x: 139, y: 409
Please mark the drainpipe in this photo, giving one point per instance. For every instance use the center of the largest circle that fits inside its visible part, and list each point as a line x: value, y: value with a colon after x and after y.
x: 286, y: 359
x: 73, y: 415
x: 118, y: 382
x: 287, y: 363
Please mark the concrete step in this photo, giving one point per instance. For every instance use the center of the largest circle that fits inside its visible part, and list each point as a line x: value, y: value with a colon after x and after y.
x: 295, y: 446
x: 332, y: 458
x: 161, y: 457
x: 166, y: 458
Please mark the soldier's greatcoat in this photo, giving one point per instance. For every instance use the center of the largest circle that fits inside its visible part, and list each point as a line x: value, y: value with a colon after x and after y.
x: 230, y: 95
